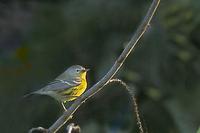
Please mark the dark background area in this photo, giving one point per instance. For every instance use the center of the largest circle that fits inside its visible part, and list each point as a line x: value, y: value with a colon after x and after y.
x: 40, y: 39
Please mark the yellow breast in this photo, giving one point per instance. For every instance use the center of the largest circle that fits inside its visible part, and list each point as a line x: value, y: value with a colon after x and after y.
x: 78, y: 90
x: 81, y: 88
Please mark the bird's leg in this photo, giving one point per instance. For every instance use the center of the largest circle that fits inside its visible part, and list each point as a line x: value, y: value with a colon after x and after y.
x: 64, y: 106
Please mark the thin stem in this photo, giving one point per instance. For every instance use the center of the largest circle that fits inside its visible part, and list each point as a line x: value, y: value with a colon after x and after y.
x: 132, y: 94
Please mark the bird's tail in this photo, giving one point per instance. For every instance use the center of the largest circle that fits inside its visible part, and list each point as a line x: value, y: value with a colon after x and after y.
x: 28, y: 95
x: 32, y: 93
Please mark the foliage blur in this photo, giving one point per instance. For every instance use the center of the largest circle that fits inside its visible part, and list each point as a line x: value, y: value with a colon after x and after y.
x: 40, y: 39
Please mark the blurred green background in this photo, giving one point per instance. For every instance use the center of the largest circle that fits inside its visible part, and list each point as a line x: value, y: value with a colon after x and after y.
x: 40, y: 39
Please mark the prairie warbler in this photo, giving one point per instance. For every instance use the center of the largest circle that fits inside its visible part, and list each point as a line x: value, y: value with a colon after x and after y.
x: 67, y: 86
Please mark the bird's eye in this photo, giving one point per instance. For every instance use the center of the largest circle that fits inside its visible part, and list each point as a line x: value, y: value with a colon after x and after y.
x: 77, y: 70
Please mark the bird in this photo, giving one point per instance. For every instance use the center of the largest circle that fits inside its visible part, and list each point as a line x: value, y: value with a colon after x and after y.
x: 68, y: 86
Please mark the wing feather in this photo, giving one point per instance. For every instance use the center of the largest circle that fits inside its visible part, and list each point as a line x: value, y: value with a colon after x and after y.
x: 59, y: 85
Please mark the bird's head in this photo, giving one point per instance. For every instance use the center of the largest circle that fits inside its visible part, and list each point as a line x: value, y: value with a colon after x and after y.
x: 77, y: 71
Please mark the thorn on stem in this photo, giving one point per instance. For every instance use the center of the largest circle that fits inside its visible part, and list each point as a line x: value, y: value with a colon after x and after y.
x: 71, y: 116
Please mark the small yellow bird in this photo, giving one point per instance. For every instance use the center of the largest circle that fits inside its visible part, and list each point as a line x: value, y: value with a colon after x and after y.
x: 67, y: 86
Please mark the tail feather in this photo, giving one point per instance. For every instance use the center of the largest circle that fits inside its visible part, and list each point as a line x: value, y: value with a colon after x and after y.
x: 28, y: 95
x: 33, y: 93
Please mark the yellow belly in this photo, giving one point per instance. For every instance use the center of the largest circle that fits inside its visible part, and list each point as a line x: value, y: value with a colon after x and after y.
x: 75, y: 92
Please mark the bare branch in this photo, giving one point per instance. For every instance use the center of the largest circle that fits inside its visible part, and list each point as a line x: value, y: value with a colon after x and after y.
x: 113, y: 70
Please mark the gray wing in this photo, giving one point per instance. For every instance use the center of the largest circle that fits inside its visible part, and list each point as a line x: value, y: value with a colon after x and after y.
x: 59, y: 85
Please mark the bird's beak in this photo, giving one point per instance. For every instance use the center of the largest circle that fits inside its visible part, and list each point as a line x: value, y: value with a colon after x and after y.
x: 86, y: 70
